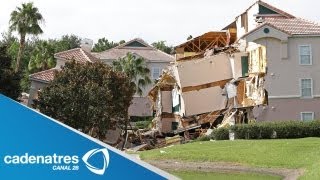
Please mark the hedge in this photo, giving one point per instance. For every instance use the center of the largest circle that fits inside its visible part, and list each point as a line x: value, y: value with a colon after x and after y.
x: 220, y: 134
x: 269, y: 130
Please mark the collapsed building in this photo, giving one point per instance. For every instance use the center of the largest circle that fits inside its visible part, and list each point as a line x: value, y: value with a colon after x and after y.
x: 211, y: 84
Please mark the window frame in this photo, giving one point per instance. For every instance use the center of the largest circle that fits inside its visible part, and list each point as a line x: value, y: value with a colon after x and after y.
x: 310, y: 47
x: 300, y: 85
x: 305, y: 112
x: 153, y: 70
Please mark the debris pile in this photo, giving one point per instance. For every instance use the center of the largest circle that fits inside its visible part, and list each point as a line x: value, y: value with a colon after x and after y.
x: 211, y: 84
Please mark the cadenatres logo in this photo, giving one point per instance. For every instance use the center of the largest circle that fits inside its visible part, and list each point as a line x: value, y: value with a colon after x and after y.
x: 93, y: 169
x: 61, y: 162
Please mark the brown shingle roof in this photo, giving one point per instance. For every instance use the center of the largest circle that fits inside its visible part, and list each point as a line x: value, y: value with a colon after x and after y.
x: 77, y: 54
x: 294, y: 26
x: 290, y: 26
x: 149, y: 53
x: 44, y: 76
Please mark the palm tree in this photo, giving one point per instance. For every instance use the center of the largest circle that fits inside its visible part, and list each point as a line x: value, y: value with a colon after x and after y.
x: 136, y: 69
x: 42, y: 57
x: 25, y: 20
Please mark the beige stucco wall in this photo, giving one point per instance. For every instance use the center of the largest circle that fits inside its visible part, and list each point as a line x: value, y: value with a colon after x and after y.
x: 204, y: 100
x: 284, y: 75
x: 166, y: 101
x: 141, y: 106
x: 251, y: 21
x: 206, y: 70
x: 283, y: 78
x: 60, y: 63
x: 287, y: 109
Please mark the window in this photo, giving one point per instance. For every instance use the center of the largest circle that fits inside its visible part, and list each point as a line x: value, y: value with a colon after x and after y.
x: 155, y: 72
x: 305, y: 55
x: 306, y: 87
x: 307, y: 116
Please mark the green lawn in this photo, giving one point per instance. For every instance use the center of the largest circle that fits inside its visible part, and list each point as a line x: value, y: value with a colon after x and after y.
x: 222, y: 176
x: 287, y: 153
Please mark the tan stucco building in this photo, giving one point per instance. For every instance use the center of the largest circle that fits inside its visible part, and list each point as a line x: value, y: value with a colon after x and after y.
x: 293, y: 66
x: 156, y: 61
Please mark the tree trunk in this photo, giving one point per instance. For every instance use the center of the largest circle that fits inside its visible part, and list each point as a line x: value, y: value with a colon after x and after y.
x: 125, y: 131
x: 20, y: 53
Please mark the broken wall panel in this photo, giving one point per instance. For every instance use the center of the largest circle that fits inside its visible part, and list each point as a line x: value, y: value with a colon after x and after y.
x: 255, y: 90
x: 203, y: 101
x: 169, y: 124
x: 166, y: 101
x: 258, y: 60
x: 206, y: 70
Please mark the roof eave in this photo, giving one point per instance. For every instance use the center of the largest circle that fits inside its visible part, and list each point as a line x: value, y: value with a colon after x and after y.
x: 262, y: 25
x: 39, y: 80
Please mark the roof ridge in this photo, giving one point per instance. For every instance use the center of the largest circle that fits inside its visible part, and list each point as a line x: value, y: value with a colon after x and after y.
x: 123, y: 44
x: 135, y: 39
x: 307, y: 20
x: 165, y: 53
x: 85, y: 54
x: 66, y: 51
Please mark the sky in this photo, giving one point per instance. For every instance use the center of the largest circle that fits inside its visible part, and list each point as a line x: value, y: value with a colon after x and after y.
x: 151, y: 20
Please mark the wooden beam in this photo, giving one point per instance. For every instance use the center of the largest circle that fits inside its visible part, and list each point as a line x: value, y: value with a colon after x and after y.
x: 203, y: 86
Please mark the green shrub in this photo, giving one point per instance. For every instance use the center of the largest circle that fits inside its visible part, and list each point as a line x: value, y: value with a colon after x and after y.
x: 204, y: 138
x: 280, y: 130
x: 268, y: 130
x: 220, y: 133
x: 314, y: 129
x: 240, y: 131
x: 142, y: 124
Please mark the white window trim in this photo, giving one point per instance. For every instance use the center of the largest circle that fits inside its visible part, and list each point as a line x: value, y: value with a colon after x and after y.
x: 301, y: 117
x: 300, y: 86
x: 310, y: 55
x: 152, y: 71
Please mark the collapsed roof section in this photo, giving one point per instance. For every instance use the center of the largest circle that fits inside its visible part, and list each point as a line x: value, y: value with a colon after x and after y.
x: 214, y: 90
x: 209, y: 40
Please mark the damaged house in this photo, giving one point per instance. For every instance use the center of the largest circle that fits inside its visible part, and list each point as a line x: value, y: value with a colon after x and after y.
x: 262, y: 66
x: 292, y: 45
x: 213, y: 85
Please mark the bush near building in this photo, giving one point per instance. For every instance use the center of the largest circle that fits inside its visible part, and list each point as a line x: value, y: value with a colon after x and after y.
x: 269, y: 130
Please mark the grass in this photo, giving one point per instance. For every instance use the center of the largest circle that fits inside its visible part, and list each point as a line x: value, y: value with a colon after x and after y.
x: 286, y: 153
x: 186, y: 175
